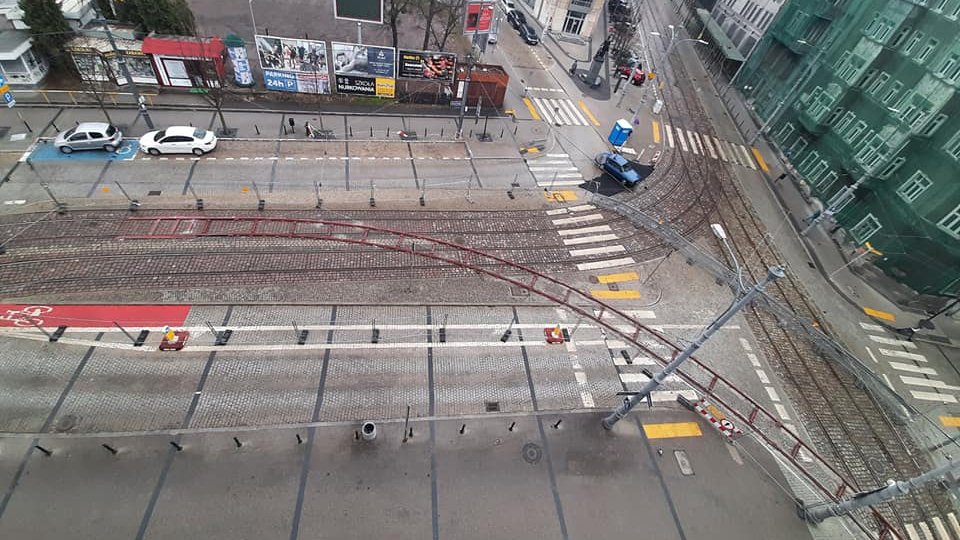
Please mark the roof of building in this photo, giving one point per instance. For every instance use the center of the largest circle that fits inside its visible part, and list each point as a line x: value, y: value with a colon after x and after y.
x: 194, y: 47
x: 719, y: 37
x: 13, y: 43
x: 101, y: 44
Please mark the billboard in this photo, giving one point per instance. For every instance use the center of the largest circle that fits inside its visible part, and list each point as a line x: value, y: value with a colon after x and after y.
x: 479, y: 17
x: 359, y: 10
x: 294, y: 65
x: 426, y: 65
x: 364, y: 69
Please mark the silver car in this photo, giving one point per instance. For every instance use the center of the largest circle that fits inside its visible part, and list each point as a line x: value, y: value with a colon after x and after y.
x: 89, y: 136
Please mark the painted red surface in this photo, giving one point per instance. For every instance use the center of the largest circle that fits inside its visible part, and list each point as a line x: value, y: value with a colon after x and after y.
x: 92, y: 315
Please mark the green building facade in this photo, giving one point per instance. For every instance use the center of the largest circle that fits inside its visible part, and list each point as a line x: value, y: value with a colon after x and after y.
x: 861, y: 96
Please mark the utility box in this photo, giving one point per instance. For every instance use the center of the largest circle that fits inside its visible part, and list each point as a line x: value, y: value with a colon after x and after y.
x: 620, y: 133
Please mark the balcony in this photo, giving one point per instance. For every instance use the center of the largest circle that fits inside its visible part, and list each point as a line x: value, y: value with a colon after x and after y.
x: 823, y: 9
x: 793, y: 42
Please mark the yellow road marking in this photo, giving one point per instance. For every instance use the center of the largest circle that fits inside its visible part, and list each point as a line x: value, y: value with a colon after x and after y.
x: 532, y: 150
x: 656, y: 132
x: 244, y: 189
x: 618, y: 278
x: 760, y: 161
x: 105, y: 189
x: 533, y: 110
x: 560, y: 196
x: 950, y: 421
x: 583, y: 107
x: 616, y: 295
x: 880, y: 314
x: 670, y: 431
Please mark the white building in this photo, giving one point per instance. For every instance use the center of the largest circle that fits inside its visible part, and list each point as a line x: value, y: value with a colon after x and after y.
x: 19, y: 63
x: 744, y: 21
x: 571, y: 18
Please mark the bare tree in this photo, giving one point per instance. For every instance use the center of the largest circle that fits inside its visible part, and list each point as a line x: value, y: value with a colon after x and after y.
x: 95, y: 79
x: 450, y: 17
x: 428, y: 10
x: 212, y: 75
x: 396, y: 8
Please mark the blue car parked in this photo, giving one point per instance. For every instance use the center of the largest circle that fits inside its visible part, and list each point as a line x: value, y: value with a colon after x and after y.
x: 619, y: 168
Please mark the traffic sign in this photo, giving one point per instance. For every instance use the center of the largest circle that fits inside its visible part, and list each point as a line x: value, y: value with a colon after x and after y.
x: 6, y: 93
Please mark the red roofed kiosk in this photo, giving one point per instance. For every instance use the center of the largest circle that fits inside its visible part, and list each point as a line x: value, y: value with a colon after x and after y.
x: 187, y: 62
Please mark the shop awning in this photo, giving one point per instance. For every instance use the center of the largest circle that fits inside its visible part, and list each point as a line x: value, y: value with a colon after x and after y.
x: 719, y: 38
x: 188, y: 47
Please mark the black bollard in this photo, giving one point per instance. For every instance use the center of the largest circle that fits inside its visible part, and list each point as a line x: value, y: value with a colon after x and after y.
x: 515, y: 130
x: 177, y: 446
x: 424, y: 133
x: 441, y: 133
x: 501, y: 133
x: 28, y: 126
x: 46, y: 452
x: 351, y: 131
x: 371, y: 132
x: 356, y: 435
x: 557, y: 425
x: 463, y: 428
x: 256, y: 127
x: 512, y: 425
x: 410, y: 435
x: 299, y: 440
x: 237, y: 442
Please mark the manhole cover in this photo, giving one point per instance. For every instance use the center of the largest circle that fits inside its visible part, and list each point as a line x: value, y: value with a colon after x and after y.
x: 492, y: 406
x: 519, y: 291
x: 614, y: 287
x: 68, y: 422
x: 683, y: 462
x: 532, y: 453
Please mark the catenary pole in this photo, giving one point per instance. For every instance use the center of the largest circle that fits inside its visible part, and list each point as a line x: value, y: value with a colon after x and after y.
x: 892, y: 490
x: 471, y: 61
x: 773, y: 274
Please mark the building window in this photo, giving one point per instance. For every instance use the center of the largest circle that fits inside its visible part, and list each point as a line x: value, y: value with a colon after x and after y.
x: 845, y: 122
x: 892, y: 92
x: 581, y: 3
x: 806, y: 164
x: 574, y: 22
x: 951, y: 223
x: 878, y: 83
x: 940, y: 4
x: 834, y: 115
x: 868, y: 78
x: 785, y: 132
x: 948, y: 64
x: 867, y: 227
x: 927, y: 50
x: 933, y: 125
x: 817, y: 172
x: 855, y: 132
x: 891, y: 167
x: 913, y: 187
x: 828, y: 181
x: 900, y: 37
x: 912, y: 44
x: 953, y: 146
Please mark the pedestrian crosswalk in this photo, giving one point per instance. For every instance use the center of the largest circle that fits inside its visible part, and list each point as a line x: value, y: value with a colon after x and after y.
x: 560, y: 111
x: 554, y: 170
x: 705, y: 145
x: 907, y: 367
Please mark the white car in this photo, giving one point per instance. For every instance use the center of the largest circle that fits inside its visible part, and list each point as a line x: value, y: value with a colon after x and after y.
x: 178, y: 140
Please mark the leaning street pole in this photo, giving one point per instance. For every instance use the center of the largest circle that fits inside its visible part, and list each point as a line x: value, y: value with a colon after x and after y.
x: 773, y: 274
x: 892, y: 490
x: 122, y: 62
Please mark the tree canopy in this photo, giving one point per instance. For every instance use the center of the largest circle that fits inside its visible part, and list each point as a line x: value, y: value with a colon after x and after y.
x: 172, y: 17
x: 48, y: 26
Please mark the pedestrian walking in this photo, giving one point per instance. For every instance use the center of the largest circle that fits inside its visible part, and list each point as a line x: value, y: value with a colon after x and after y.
x: 781, y: 177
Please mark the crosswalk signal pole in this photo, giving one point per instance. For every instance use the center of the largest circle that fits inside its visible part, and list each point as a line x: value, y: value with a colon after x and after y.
x: 471, y: 60
x: 773, y: 274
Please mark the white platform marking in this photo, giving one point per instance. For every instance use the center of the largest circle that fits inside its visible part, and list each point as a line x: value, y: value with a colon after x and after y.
x: 772, y: 393
x: 904, y: 354
x: 611, y: 263
x: 577, y: 219
x: 917, y: 381
x: 589, y: 239
x: 933, y: 396
x: 891, y: 341
x: 596, y: 251
x: 910, y: 368
x: 584, y: 230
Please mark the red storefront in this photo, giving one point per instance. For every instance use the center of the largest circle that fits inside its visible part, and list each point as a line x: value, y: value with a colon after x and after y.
x: 186, y: 62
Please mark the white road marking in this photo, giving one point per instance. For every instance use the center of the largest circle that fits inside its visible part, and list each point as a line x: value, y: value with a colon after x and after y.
x: 619, y: 360
x: 577, y: 219
x: 886, y: 379
x: 753, y: 360
x: 557, y: 212
x: 912, y: 531
x: 696, y: 138
x: 954, y: 524
x: 904, y: 354
x: 747, y: 157
x: 597, y: 251
x: 772, y: 393
x: 872, y: 327
x: 933, y: 396
x: 580, y: 376
x: 706, y: 143
x: 693, y: 142
x: 913, y: 369
x: 560, y: 183
x: 723, y: 156
x: 734, y: 453
x: 584, y: 230
x: 587, y: 399
x: 640, y: 313
x: 681, y: 140
x: 611, y: 263
x: 925, y: 530
x: 941, y: 530
x: 669, y: 132
x: 781, y: 411
x: 891, y: 341
x: 582, y: 208
x: 588, y: 239
x: 917, y: 381
x: 558, y: 155
x: 745, y: 344
x: 573, y: 112
x: 762, y: 375
x: 872, y: 357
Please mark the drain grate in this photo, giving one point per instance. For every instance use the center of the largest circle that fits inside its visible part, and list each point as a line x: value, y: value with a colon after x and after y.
x: 614, y: 287
x: 492, y: 406
x: 154, y: 193
x: 519, y: 291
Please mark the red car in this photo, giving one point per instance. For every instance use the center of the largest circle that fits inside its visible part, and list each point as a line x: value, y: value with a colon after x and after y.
x: 634, y: 73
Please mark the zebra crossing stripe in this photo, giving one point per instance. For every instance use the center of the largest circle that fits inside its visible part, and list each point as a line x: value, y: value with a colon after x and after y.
x: 543, y: 110
x: 559, y: 115
x: 723, y: 156
x: 683, y: 143
x: 706, y: 143
x: 696, y: 138
x: 746, y: 156
x: 693, y: 142
x: 733, y: 153
x: 669, y: 132
x: 574, y: 113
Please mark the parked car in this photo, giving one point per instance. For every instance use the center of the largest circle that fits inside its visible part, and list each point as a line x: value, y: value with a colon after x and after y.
x: 507, y: 5
x: 89, y: 136
x: 516, y: 19
x: 528, y: 34
x: 619, y: 168
x: 178, y: 140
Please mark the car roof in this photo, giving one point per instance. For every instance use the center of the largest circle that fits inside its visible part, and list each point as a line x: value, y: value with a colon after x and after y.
x: 618, y: 159
x: 93, y: 126
x: 181, y: 130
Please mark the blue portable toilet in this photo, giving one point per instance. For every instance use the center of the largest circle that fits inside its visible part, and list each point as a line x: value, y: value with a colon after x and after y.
x: 620, y: 133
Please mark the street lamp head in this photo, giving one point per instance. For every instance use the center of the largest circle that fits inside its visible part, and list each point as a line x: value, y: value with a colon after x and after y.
x: 655, y: 34
x: 803, y: 42
x: 718, y: 231
x: 702, y: 42
x: 670, y: 26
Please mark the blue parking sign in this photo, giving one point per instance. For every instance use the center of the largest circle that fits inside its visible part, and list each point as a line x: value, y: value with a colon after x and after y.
x: 8, y: 99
